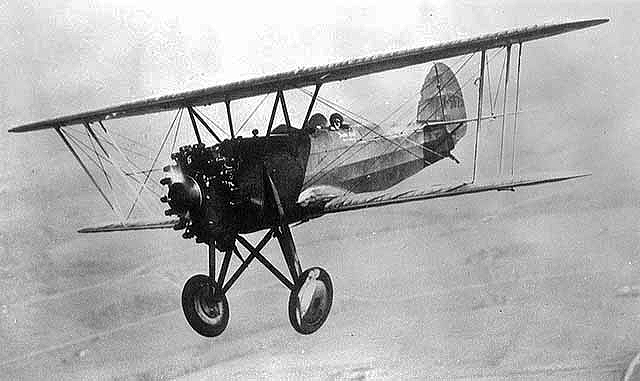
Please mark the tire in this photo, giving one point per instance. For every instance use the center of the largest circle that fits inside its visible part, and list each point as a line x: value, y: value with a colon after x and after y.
x: 310, y: 300
x: 207, y: 317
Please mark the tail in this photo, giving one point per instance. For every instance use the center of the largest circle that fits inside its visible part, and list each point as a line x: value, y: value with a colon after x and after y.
x: 441, y: 100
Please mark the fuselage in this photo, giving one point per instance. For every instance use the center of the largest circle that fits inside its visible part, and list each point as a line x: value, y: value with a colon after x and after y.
x: 368, y: 159
x: 325, y: 157
x: 352, y: 159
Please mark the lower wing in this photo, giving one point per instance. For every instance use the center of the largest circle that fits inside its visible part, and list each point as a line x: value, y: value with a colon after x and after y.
x: 316, y: 207
x: 316, y: 204
x: 131, y: 225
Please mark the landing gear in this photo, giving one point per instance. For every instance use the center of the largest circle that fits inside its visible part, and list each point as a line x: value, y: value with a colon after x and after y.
x: 206, y: 309
x: 205, y: 303
x: 310, y: 300
x: 204, y: 298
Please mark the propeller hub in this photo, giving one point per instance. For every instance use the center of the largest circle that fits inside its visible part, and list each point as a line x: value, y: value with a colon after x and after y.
x: 185, y: 195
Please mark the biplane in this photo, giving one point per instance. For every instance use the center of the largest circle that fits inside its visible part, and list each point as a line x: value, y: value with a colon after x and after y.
x: 218, y: 193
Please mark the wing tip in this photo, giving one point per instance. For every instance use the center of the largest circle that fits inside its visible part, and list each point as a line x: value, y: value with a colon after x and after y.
x: 591, y: 22
x: 576, y: 175
x: 29, y: 128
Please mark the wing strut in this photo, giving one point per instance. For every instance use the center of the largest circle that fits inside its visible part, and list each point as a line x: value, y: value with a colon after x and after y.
x: 515, y: 118
x: 504, y: 109
x: 206, y: 126
x: 479, y: 120
x: 92, y: 136
x: 84, y: 167
x: 284, y: 109
x: 279, y: 99
x: 194, y: 124
x: 273, y: 113
x: 227, y: 103
x: 311, y: 104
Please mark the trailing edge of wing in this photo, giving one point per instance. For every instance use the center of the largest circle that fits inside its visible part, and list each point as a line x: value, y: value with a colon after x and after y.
x: 314, y: 75
x: 318, y: 206
x: 354, y: 201
x: 133, y: 225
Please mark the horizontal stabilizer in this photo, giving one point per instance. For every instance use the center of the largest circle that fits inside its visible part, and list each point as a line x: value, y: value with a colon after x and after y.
x: 132, y: 225
x: 354, y: 201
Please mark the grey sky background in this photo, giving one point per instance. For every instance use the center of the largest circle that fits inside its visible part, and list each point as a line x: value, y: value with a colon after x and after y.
x: 69, y: 56
x: 555, y: 254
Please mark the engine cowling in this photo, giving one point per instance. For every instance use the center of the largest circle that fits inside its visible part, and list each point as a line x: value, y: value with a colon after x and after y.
x: 202, y: 192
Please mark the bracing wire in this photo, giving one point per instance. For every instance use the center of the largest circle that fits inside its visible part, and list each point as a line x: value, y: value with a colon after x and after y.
x: 164, y: 141
x: 319, y: 175
x: 255, y: 109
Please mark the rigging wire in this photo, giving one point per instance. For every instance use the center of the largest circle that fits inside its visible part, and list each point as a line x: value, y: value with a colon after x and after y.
x: 316, y: 178
x: 336, y: 107
x: 133, y: 141
x: 107, y: 159
x: 495, y: 101
x: 175, y: 137
x: 63, y: 136
x: 164, y: 141
x: 486, y: 64
x: 385, y: 119
x: 251, y: 114
x: 412, y: 97
x: 104, y: 172
x: 123, y: 160
x: 224, y: 131
x: 324, y: 101
x: 126, y: 149
x: 81, y: 144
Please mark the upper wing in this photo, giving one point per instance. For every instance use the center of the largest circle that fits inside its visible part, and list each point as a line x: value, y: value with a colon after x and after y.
x: 315, y: 206
x: 314, y: 75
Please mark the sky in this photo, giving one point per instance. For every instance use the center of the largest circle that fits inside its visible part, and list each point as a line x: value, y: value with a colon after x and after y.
x: 70, y: 56
x: 580, y: 91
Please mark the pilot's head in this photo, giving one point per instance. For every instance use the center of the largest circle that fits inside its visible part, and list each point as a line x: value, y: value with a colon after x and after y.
x: 336, y: 121
x: 317, y: 121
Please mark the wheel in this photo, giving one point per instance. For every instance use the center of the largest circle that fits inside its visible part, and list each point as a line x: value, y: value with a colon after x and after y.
x: 310, y: 300
x: 206, y: 315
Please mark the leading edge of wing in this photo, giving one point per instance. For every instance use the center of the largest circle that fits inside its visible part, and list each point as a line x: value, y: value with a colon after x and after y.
x: 132, y: 225
x: 353, y: 201
x: 314, y: 75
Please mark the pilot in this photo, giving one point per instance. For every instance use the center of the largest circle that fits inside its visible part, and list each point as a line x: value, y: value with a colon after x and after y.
x: 336, y: 122
x: 317, y: 122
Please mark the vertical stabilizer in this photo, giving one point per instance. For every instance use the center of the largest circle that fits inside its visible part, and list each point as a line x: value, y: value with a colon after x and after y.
x: 441, y: 99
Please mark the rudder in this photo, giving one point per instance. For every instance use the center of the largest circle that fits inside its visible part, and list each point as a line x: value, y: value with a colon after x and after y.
x: 441, y: 99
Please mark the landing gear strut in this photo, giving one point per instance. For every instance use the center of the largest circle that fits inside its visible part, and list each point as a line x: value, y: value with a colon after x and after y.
x: 204, y: 300
x: 312, y: 292
x: 204, y: 303
x: 204, y: 297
